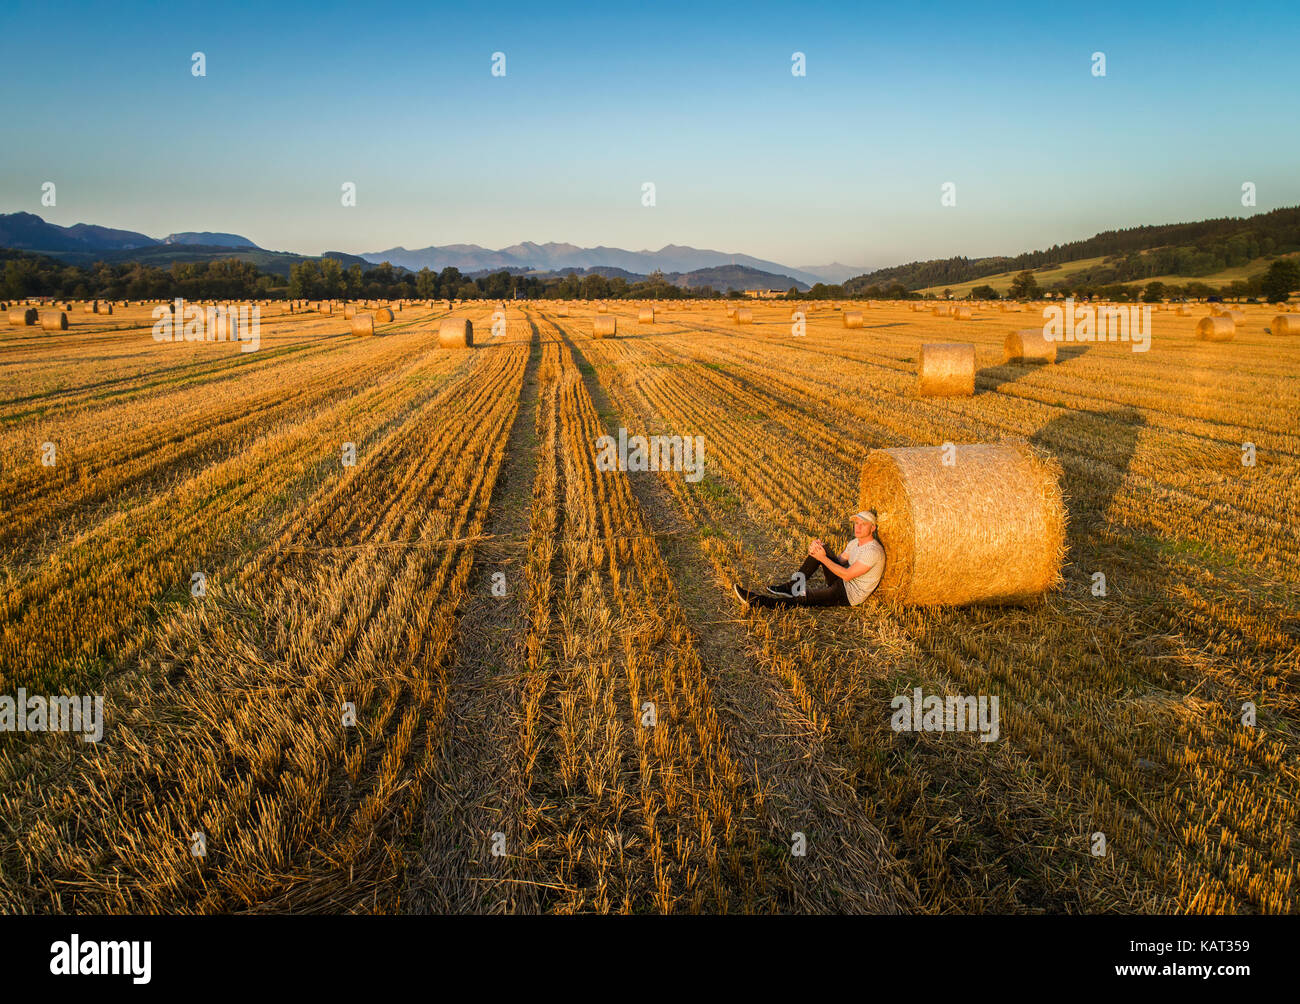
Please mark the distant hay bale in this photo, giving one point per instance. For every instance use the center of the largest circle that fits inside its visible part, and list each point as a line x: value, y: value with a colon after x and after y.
x: 384, y: 315
x: 104, y: 308
x: 1030, y: 345
x: 363, y: 324
x: 1216, y: 329
x: 54, y: 320
x: 326, y: 308
x: 23, y: 316
x: 91, y: 307
x: 744, y: 316
x: 646, y: 316
x: 1283, y: 324
x: 456, y: 333
x: 349, y: 312
x: 1184, y: 311
x: 942, y: 310
x: 604, y: 327
x: 602, y: 308
x: 731, y: 313
x: 946, y: 369
x: 1237, y: 316
x: 986, y: 527
x: 853, y: 319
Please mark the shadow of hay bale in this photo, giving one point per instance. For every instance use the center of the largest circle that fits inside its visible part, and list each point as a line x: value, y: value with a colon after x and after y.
x: 1095, y: 449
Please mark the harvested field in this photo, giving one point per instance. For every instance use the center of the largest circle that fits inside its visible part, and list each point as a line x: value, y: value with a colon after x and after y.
x: 437, y: 660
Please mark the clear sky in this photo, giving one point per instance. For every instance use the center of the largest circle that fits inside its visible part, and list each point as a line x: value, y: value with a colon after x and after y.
x: 844, y: 164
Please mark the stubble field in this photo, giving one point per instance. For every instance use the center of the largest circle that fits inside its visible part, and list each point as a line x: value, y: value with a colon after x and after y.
x: 500, y: 758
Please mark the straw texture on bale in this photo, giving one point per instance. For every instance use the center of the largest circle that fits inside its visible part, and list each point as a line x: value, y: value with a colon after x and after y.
x: 853, y: 319
x: 23, y: 316
x: 1216, y: 329
x: 987, y: 528
x: 646, y: 316
x: 744, y: 316
x: 1285, y: 324
x: 604, y: 327
x: 1030, y: 345
x: 456, y: 333
x: 384, y: 315
x: 363, y: 324
x: 946, y: 369
x: 54, y: 320
x: 961, y: 313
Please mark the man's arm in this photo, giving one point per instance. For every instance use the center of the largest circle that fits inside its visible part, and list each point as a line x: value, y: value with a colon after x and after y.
x: 852, y: 572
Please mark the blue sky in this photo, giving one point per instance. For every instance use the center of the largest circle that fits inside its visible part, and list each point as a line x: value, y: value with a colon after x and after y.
x: 844, y: 164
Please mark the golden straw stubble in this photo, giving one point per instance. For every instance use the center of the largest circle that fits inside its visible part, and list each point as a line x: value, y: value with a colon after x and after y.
x: 989, y: 527
x: 946, y: 369
x: 1030, y: 345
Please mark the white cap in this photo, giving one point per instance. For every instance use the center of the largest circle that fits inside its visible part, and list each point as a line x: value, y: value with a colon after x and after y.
x: 869, y: 515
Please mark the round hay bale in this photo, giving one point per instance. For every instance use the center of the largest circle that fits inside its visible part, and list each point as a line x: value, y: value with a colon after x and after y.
x: 961, y: 313
x: 942, y: 310
x: 349, y: 312
x: 744, y: 316
x: 731, y: 313
x: 456, y: 333
x: 1237, y: 316
x: 1184, y: 311
x: 1283, y: 324
x: 1216, y: 329
x: 91, y: 307
x: 1030, y: 345
x: 987, y: 527
x: 23, y: 316
x: 946, y: 369
x: 853, y: 319
x: 326, y: 308
x: 104, y: 308
x: 646, y: 316
x: 363, y: 324
x: 384, y: 315
x: 602, y: 308
x: 604, y: 327
x: 54, y: 320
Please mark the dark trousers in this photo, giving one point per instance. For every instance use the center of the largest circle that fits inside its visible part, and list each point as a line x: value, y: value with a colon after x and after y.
x: 830, y: 595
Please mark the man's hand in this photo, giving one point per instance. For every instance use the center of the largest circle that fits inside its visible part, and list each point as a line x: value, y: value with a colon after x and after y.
x: 817, y: 550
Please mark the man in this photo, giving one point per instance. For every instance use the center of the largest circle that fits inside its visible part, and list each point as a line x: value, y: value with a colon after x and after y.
x: 851, y: 576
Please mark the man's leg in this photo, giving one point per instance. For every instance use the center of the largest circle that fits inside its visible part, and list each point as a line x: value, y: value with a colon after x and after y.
x: 817, y: 596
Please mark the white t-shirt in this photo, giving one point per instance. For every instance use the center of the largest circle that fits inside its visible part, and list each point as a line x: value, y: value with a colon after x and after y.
x: 870, y: 554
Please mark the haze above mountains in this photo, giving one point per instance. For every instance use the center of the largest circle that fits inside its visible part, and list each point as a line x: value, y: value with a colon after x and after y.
x: 29, y: 232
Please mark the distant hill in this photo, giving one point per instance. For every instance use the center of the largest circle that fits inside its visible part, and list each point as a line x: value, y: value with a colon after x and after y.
x: 554, y: 258
x: 28, y: 232
x: 725, y: 278
x: 1189, y: 249
x: 208, y: 239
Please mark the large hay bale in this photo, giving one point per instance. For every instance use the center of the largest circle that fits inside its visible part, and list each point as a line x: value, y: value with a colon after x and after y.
x: 104, y: 308
x: 54, y: 320
x: 853, y: 319
x: 384, y: 315
x: 23, y: 316
x: 744, y: 316
x: 456, y: 333
x: 646, y: 316
x: 1030, y: 345
x: 988, y: 527
x: 1216, y: 329
x: 1283, y: 324
x: 943, y: 310
x: 946, y: 369
x: 363, y: 324
x: 604, y: 327
x: 961, y: 313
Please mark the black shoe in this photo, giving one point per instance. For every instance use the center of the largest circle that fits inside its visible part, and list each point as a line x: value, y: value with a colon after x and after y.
x: 783, y: 590
x: 742, y: 595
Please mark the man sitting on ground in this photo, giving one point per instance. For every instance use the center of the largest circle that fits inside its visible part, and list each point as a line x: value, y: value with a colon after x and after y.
x: 851, y: 576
